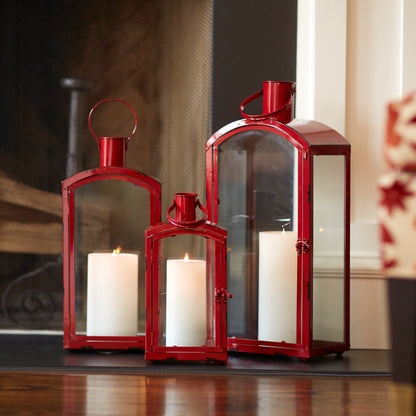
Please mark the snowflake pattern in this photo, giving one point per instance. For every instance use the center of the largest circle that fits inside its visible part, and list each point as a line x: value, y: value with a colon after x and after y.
x: 398, y: 190
x: 388, y: 264
x: 386, y: 237
x: 392, y: 138
x: 394, y: 196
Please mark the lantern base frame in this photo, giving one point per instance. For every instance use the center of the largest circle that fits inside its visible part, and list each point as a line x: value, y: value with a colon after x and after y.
x: 318, y: 348
x: 181, y: 355
x: 104, y: 343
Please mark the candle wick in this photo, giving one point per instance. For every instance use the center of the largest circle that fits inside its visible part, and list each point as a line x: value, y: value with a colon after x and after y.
x: 283, y: 228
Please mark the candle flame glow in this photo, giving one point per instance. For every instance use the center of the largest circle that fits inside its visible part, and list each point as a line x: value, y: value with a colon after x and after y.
x: 186, y: 258
x: 116, y: 251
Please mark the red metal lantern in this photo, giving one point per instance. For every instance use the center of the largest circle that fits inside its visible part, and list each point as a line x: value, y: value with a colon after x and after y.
x: 105, y: 213
x: 281, y: 188
x: 186, y: 296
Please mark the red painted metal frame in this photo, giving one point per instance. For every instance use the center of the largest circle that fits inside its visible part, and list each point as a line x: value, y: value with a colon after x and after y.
x: 71, y: 339
x: 156, y: 352
x: 310, y: 138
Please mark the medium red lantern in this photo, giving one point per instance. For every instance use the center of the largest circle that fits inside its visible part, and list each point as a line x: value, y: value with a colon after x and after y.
x: 105, y: 213
x: 186, y: 295
x: 281, y: 189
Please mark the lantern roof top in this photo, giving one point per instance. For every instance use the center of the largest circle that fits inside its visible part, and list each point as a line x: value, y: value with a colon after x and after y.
x: 316, y: 133
x: 308, y: 136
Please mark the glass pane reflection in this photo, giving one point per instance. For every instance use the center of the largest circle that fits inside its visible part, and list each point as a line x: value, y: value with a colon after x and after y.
x: 106, y: 219
x: 257, y: 193
x: 329, y: 247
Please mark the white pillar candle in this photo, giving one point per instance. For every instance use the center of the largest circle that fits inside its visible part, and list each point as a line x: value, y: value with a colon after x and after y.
x: 277, y: 286
x: 186, y: 322
x: 112, y: 294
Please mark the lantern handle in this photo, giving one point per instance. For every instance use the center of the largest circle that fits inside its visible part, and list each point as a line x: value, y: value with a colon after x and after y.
x: 187, y: 223
x: 273, y: 114
x: 120, y: 101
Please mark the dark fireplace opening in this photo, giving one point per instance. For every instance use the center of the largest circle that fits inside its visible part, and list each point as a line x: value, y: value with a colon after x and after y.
x: 164, y: 59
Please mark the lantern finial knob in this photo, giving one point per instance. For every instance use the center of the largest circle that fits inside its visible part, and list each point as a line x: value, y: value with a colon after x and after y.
x: 185, y: 205
x: 278, y: 101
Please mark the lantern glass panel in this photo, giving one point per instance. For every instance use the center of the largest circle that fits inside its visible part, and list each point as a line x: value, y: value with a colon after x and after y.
x: 257, y: 193
x: 329, y: 247
x: 110, y: 215
x: 186, y: 291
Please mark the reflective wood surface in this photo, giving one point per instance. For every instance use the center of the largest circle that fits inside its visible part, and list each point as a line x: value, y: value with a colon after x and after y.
x: 52, y: 393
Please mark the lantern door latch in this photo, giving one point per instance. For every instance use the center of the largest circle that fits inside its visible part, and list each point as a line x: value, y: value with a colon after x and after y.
x: 221, y: 295
x: 302, y: 247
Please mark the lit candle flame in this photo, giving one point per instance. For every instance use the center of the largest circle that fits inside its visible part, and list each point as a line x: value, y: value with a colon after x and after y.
x: 116, y: 251
x: 186, y: 258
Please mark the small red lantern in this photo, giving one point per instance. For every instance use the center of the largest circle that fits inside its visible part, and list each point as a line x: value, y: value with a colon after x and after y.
x: 281, y: 189
x: 186, y: 296
x: 105, y: 213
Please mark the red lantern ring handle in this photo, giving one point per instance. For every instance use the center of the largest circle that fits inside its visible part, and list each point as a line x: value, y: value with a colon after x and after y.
x: 265, y: 116
x: 120, y: 101
x: 188, y: 223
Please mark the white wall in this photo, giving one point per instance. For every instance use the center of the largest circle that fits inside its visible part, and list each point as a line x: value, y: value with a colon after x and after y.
x: 353, y: 57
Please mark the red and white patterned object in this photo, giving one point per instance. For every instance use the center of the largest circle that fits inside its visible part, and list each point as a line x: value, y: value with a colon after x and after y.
x: 400, y: 138
x: 397, y: 215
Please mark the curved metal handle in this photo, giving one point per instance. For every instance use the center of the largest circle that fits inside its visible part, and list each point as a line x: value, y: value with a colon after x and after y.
x: 260, y: 117
x: 120, y: 101
x: 187, y: 223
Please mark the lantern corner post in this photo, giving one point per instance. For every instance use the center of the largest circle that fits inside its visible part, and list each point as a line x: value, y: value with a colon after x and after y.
x: 67, y: 255
x: 347, y: 329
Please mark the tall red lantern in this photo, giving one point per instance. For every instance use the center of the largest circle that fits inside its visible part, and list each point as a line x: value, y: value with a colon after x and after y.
x: 186, y: 295
x: 281, y: 188
x: 105, y: 213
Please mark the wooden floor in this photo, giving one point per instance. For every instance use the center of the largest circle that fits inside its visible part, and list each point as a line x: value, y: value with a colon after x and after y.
x: 76, y: 393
